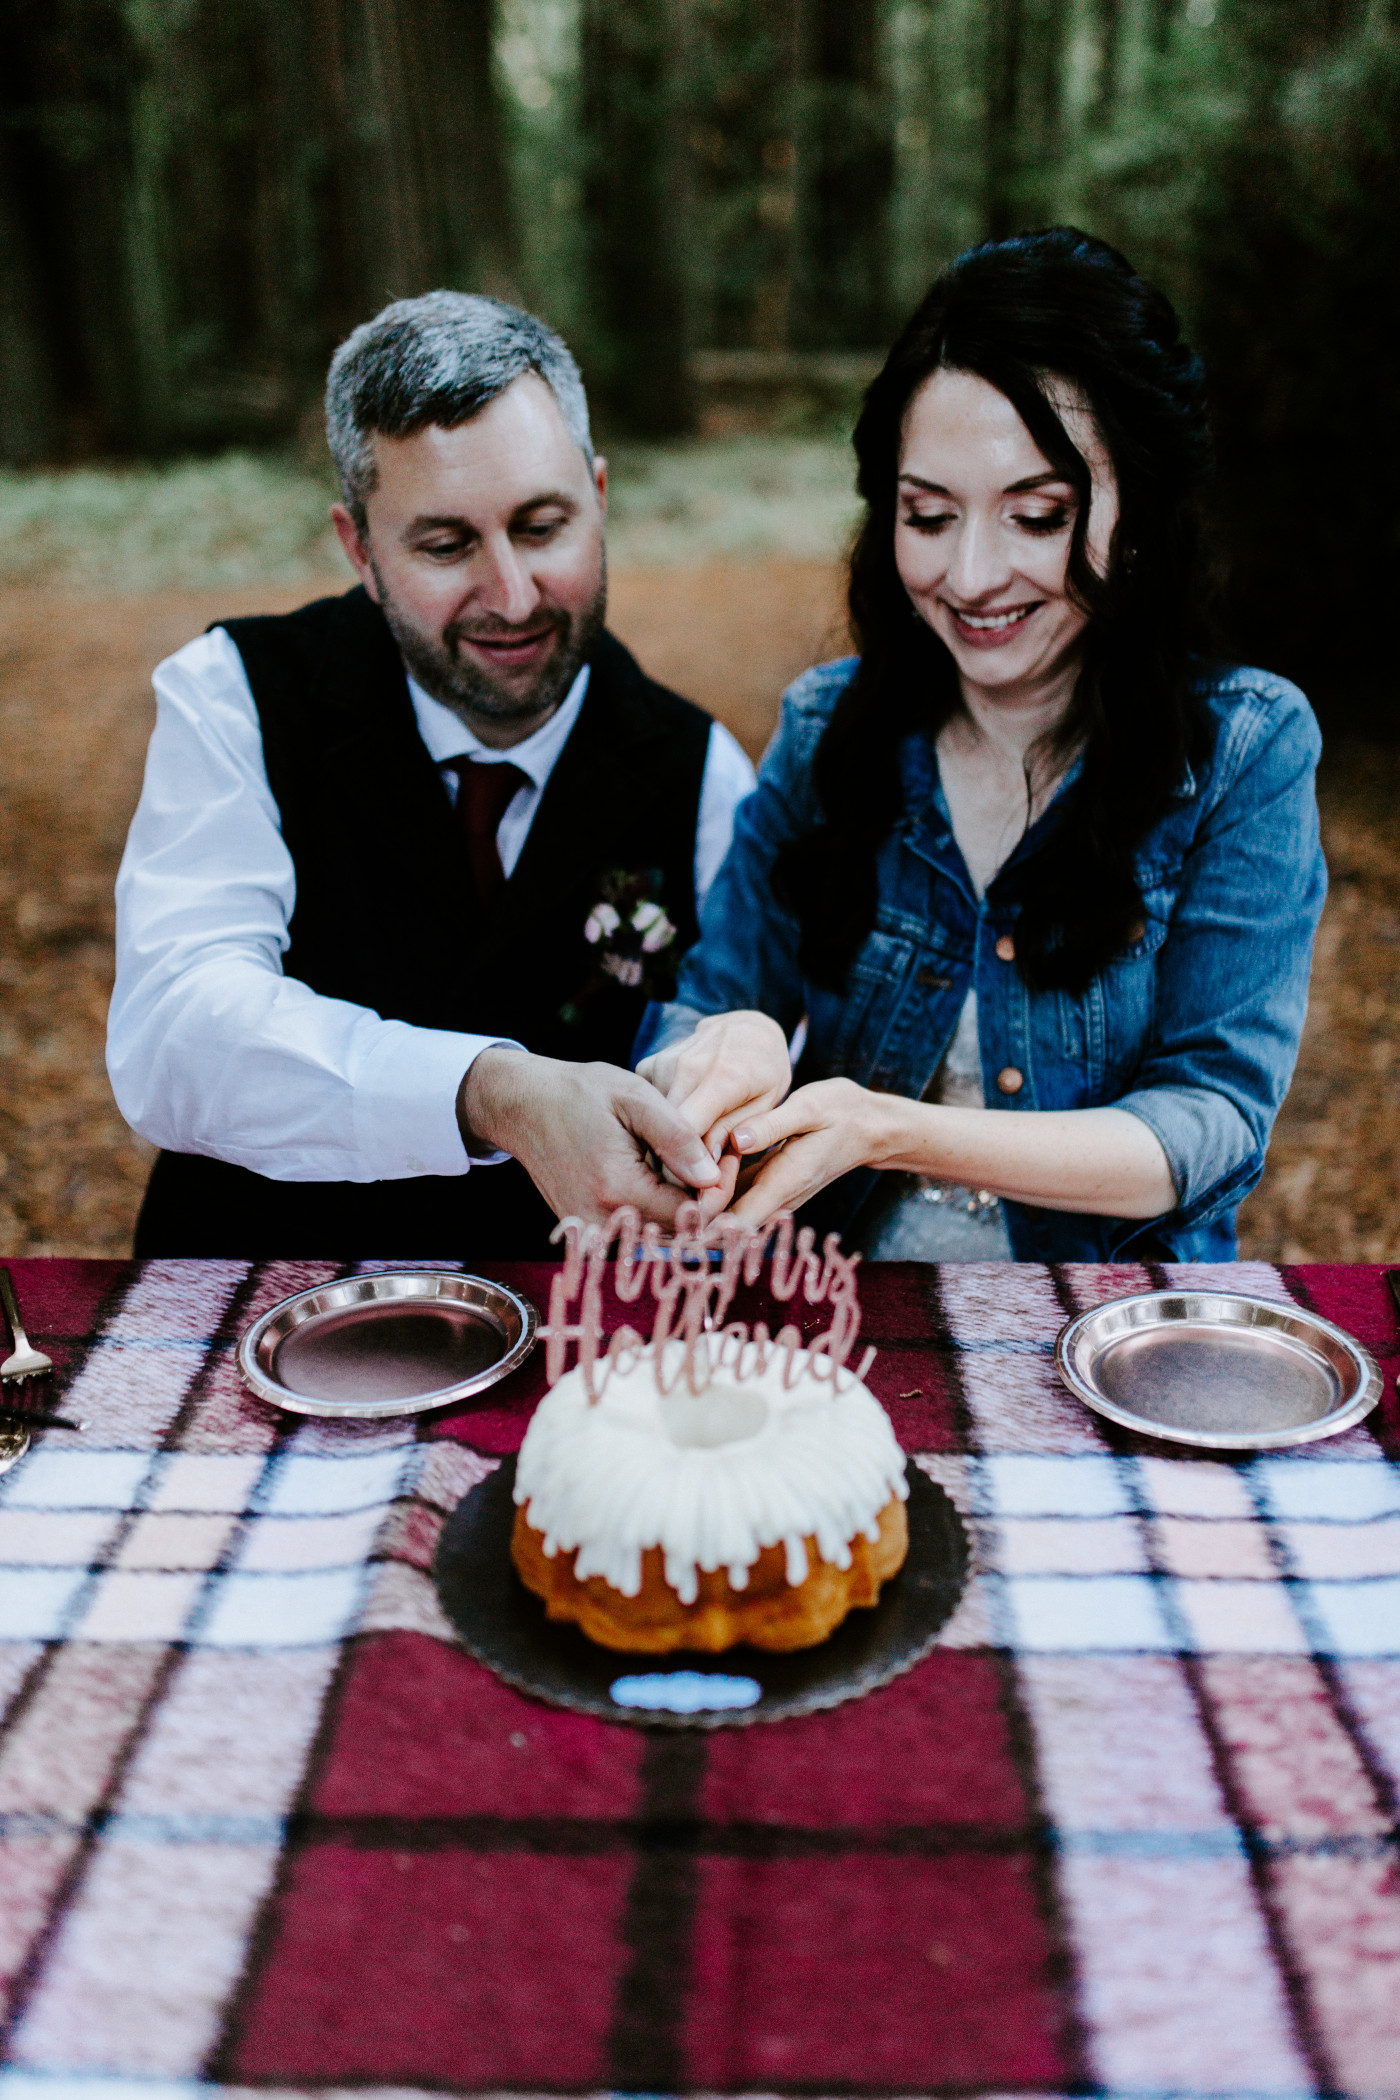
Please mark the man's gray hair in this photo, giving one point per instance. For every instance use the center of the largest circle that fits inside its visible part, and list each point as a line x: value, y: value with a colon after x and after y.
x: 439, y: 359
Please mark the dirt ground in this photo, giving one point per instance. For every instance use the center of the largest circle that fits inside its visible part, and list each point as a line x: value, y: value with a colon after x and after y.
x: 75, y: 712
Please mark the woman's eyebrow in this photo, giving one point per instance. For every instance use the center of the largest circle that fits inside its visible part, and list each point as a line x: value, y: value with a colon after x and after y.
x: 1013, y: 488
x: 1035, y: 481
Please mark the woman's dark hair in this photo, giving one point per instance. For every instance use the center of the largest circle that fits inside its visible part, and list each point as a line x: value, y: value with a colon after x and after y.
x: 1023, y: 314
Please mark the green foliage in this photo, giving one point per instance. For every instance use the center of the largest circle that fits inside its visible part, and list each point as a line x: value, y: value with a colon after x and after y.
x: 244, y: 519
x: 234, y: 520
x: 198, y: 197
x: 748, y: 495
x: 1258, y: 176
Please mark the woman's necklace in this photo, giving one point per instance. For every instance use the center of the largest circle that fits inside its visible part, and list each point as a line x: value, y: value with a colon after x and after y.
x: 994, y: 797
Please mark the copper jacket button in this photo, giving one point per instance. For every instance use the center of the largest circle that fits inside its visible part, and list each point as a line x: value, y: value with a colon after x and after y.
x: 1006, y: 949
x: 1009, y: 1080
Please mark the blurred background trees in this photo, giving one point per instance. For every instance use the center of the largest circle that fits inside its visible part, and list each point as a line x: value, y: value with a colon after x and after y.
x: 727, y: 206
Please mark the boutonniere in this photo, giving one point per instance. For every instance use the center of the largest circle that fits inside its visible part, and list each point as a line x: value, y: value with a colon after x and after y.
x: 632, y: 939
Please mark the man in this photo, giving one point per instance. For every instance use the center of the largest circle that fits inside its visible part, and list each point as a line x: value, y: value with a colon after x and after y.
x: 358, y: 955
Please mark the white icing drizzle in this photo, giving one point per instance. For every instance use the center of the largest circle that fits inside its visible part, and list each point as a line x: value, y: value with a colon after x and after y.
x: 610, y: 1480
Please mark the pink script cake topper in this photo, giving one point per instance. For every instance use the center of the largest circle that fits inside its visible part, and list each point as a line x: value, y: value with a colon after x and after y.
x: 693, y: 1295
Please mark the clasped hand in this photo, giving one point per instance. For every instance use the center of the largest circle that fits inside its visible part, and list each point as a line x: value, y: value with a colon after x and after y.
x: 728, y: 1080
x: 712, y: 1125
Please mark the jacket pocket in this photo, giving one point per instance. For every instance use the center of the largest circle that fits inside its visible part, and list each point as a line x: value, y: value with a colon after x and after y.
x: 1160, y: 886
x: 877, y: 979
x: 1151, y: 930
x: 1129, y: 992
x: 1105, y: 1031
x: 1084, y: 1033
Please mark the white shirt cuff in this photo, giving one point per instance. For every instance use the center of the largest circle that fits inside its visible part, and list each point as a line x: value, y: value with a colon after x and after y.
x: 405, y: 1101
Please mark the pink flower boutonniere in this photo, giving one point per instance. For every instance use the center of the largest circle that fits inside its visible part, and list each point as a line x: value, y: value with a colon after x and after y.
x: 632, y: 939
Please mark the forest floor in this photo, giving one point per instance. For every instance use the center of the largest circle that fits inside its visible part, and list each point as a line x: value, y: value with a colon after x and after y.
x: 725, y: 598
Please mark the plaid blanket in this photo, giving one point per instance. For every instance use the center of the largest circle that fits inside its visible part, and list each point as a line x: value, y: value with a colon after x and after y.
x: 1129, y: 1830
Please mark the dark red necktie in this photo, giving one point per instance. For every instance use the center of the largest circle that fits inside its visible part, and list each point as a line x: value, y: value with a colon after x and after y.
x: 484, y: 792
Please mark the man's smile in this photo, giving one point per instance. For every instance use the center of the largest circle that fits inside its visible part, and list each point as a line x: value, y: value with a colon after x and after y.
x: 510, y: 649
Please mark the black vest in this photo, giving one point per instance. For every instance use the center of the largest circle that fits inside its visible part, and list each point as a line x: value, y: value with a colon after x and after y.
x: 386, y: 916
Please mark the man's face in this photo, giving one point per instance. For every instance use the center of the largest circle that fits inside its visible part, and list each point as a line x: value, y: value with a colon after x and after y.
x: 483, y: 547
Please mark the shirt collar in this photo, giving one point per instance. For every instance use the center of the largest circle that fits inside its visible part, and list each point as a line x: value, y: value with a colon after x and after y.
x: 448, y: 737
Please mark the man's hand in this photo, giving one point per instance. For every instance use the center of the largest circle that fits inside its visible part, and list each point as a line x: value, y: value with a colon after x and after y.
x: 582, y: 1134
x: 733, y: 1067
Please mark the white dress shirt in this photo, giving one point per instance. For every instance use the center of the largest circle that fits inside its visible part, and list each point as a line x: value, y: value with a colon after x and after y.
x: 210, y: 1049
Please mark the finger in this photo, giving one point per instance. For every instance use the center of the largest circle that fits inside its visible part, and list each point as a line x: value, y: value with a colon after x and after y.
x: 656, y: 1202
x: 740, y: 1110
x: 758, y: 1132
x: 749, y: 1171
x: 713, y: 1201
x: 663, y: 1201
x: 715, y: 1139
x: 715, y: 1096
x: 718, y: 1136
x: 784, y: 1182
x: 674, y: 1141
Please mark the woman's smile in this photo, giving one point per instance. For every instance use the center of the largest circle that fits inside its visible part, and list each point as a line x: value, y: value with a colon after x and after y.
x: 990, y: 630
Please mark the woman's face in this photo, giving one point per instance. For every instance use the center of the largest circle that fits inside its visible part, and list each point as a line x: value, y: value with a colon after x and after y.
x: 983, y: 527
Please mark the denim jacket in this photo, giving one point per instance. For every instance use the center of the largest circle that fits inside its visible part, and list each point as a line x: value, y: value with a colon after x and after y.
x: 1193, y: 1027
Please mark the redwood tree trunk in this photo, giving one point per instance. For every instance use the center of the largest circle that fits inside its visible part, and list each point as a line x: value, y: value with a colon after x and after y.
x: 636, y: 195
x: 845, y: 166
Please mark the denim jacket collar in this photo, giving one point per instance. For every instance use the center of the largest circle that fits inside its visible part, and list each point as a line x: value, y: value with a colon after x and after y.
x: 928, y: 828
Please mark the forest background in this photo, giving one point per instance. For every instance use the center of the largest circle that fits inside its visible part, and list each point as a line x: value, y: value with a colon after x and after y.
x: 728, y: 207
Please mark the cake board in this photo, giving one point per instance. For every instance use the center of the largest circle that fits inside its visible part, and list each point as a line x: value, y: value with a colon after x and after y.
x: 505, y: 1626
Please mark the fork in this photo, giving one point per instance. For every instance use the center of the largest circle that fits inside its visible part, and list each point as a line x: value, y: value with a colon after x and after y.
x: 24, y: 1361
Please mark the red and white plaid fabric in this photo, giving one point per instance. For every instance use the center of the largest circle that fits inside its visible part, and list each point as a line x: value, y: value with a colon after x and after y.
x: 1130, y: 1829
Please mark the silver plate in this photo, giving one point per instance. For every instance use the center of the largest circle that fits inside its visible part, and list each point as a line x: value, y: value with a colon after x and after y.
x: 1217, y: 1369
x: 396, y: 1344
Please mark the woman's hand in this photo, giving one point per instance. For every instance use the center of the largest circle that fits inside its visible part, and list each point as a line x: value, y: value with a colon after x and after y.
x: 1104, y: 1161
x: 732, y: 1069
x: 820, y: 1132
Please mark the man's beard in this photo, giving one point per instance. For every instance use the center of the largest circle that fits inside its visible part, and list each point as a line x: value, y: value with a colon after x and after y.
x: 473, y: 694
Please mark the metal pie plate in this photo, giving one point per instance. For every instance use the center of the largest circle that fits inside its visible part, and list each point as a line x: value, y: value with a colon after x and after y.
x: 397, y: 1344
x: 1217, y: 1369
x: 505, y: 1626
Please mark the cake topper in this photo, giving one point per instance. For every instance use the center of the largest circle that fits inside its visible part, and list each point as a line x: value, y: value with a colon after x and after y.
x: 692, y: 1337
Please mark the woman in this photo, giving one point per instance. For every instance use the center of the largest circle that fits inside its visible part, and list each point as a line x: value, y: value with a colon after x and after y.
x: 1042, y: 881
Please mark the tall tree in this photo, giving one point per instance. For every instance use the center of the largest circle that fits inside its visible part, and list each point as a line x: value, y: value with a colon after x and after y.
x: 426, y: 190
x: 196, y: 201
x: 68, y: 90
x: 794, y: 167
x: 743, y: 140
x: 29, y: 423
x: 845, y: 168
x: 1027, y: 44
x: 1003, y: 149
x: 636, y: 198
x: 1298, y: 317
